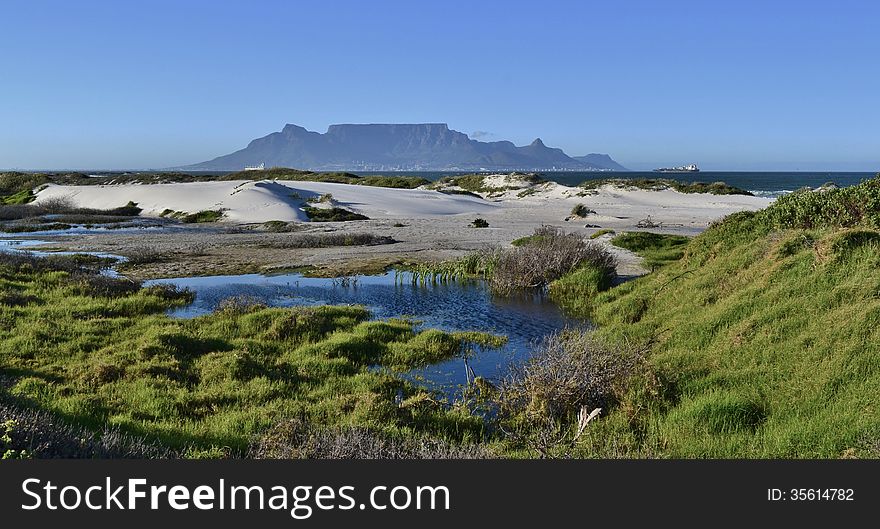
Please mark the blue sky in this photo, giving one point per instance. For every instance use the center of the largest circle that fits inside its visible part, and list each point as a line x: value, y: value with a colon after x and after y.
x: 728, y: 85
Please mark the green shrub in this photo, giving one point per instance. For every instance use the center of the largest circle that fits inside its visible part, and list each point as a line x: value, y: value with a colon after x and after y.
x: 550, y: 255
x: 480, y: 223
x: 580, y: 210
x: 843, y: 207
x: 202, y: 216
x: 332, y: 215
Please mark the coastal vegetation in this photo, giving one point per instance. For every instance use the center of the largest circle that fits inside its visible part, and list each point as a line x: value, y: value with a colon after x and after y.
x: 18, y: 187
x: 763, y: 337
x: 656, y: 249
x: 759, y: 338
x: 332, y: 214
x: 476, y: 183
x: 580, y: 210
x: 603, y: 231
x: 113, y: 361
x: 61, y: 214
x: 327, y: 240
x: 532, y: 263
x: 659, y: 184
x: 198, y: 217
x: 284, y: 173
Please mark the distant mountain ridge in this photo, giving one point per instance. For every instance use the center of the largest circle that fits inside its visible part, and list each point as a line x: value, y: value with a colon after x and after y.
x: 404, y: 147
x: 602, y: 161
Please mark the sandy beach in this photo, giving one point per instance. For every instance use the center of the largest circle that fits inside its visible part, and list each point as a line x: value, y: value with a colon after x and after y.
x: 429, y: 225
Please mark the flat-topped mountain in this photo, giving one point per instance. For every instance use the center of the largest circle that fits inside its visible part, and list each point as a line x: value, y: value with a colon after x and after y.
x: 388, y: 147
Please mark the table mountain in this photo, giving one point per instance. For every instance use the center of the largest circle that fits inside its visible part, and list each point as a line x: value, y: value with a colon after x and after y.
x: 388, y: 147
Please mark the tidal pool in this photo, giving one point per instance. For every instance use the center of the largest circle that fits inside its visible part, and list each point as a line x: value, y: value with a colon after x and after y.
x: 455, y: 306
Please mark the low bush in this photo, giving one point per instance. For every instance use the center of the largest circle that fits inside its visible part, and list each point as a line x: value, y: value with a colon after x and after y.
x: 539, y: 401
x: 540, y: 234
x: 480, y: 223
x: 67, y: 212
x: 332, y: 215
x: 280, y: 226
x: 203, y: 216
x: 37, y: 434
x: 31, y: 228
x: 327, y: 240
x: 549, y: 256
x: 300, y: 439
x: 580, y: 210
x: 831, y: 207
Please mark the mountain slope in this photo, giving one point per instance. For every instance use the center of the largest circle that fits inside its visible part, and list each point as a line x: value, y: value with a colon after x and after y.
x: 602, y: 161
x: 426, y: 146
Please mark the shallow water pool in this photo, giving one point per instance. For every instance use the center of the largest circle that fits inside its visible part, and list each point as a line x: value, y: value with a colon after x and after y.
x: 457, y: 306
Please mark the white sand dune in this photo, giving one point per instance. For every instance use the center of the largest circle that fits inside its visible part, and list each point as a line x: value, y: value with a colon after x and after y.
x: 259, y: 201
x: 427, y: 225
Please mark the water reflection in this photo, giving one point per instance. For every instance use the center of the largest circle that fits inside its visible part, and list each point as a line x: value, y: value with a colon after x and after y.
x: 461, y: 306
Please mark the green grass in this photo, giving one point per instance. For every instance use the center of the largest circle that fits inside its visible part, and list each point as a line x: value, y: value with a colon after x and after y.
x: 209, y: 385
x: 17, y: 188
x: 603, y: 231
x: 527, y: 240
x: 761, y: 341
x: 22, y: 197
x: 765, y: 341
x: 656, y: 249
x: 576, y: 291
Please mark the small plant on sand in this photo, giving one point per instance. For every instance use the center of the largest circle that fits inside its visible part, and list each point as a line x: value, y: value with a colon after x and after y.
x: 580, y: 210
x: 480, y: 223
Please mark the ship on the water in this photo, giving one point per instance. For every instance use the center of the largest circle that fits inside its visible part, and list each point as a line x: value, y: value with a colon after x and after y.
x: 692, y: 168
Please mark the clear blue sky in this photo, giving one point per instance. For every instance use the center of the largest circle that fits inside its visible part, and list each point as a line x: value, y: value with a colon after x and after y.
x: 728, y: 85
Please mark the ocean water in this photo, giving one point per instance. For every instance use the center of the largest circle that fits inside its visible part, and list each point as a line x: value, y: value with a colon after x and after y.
x: 768, y: 184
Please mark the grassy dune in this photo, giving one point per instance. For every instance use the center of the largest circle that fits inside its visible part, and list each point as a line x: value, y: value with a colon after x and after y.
x: 764, y: 338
